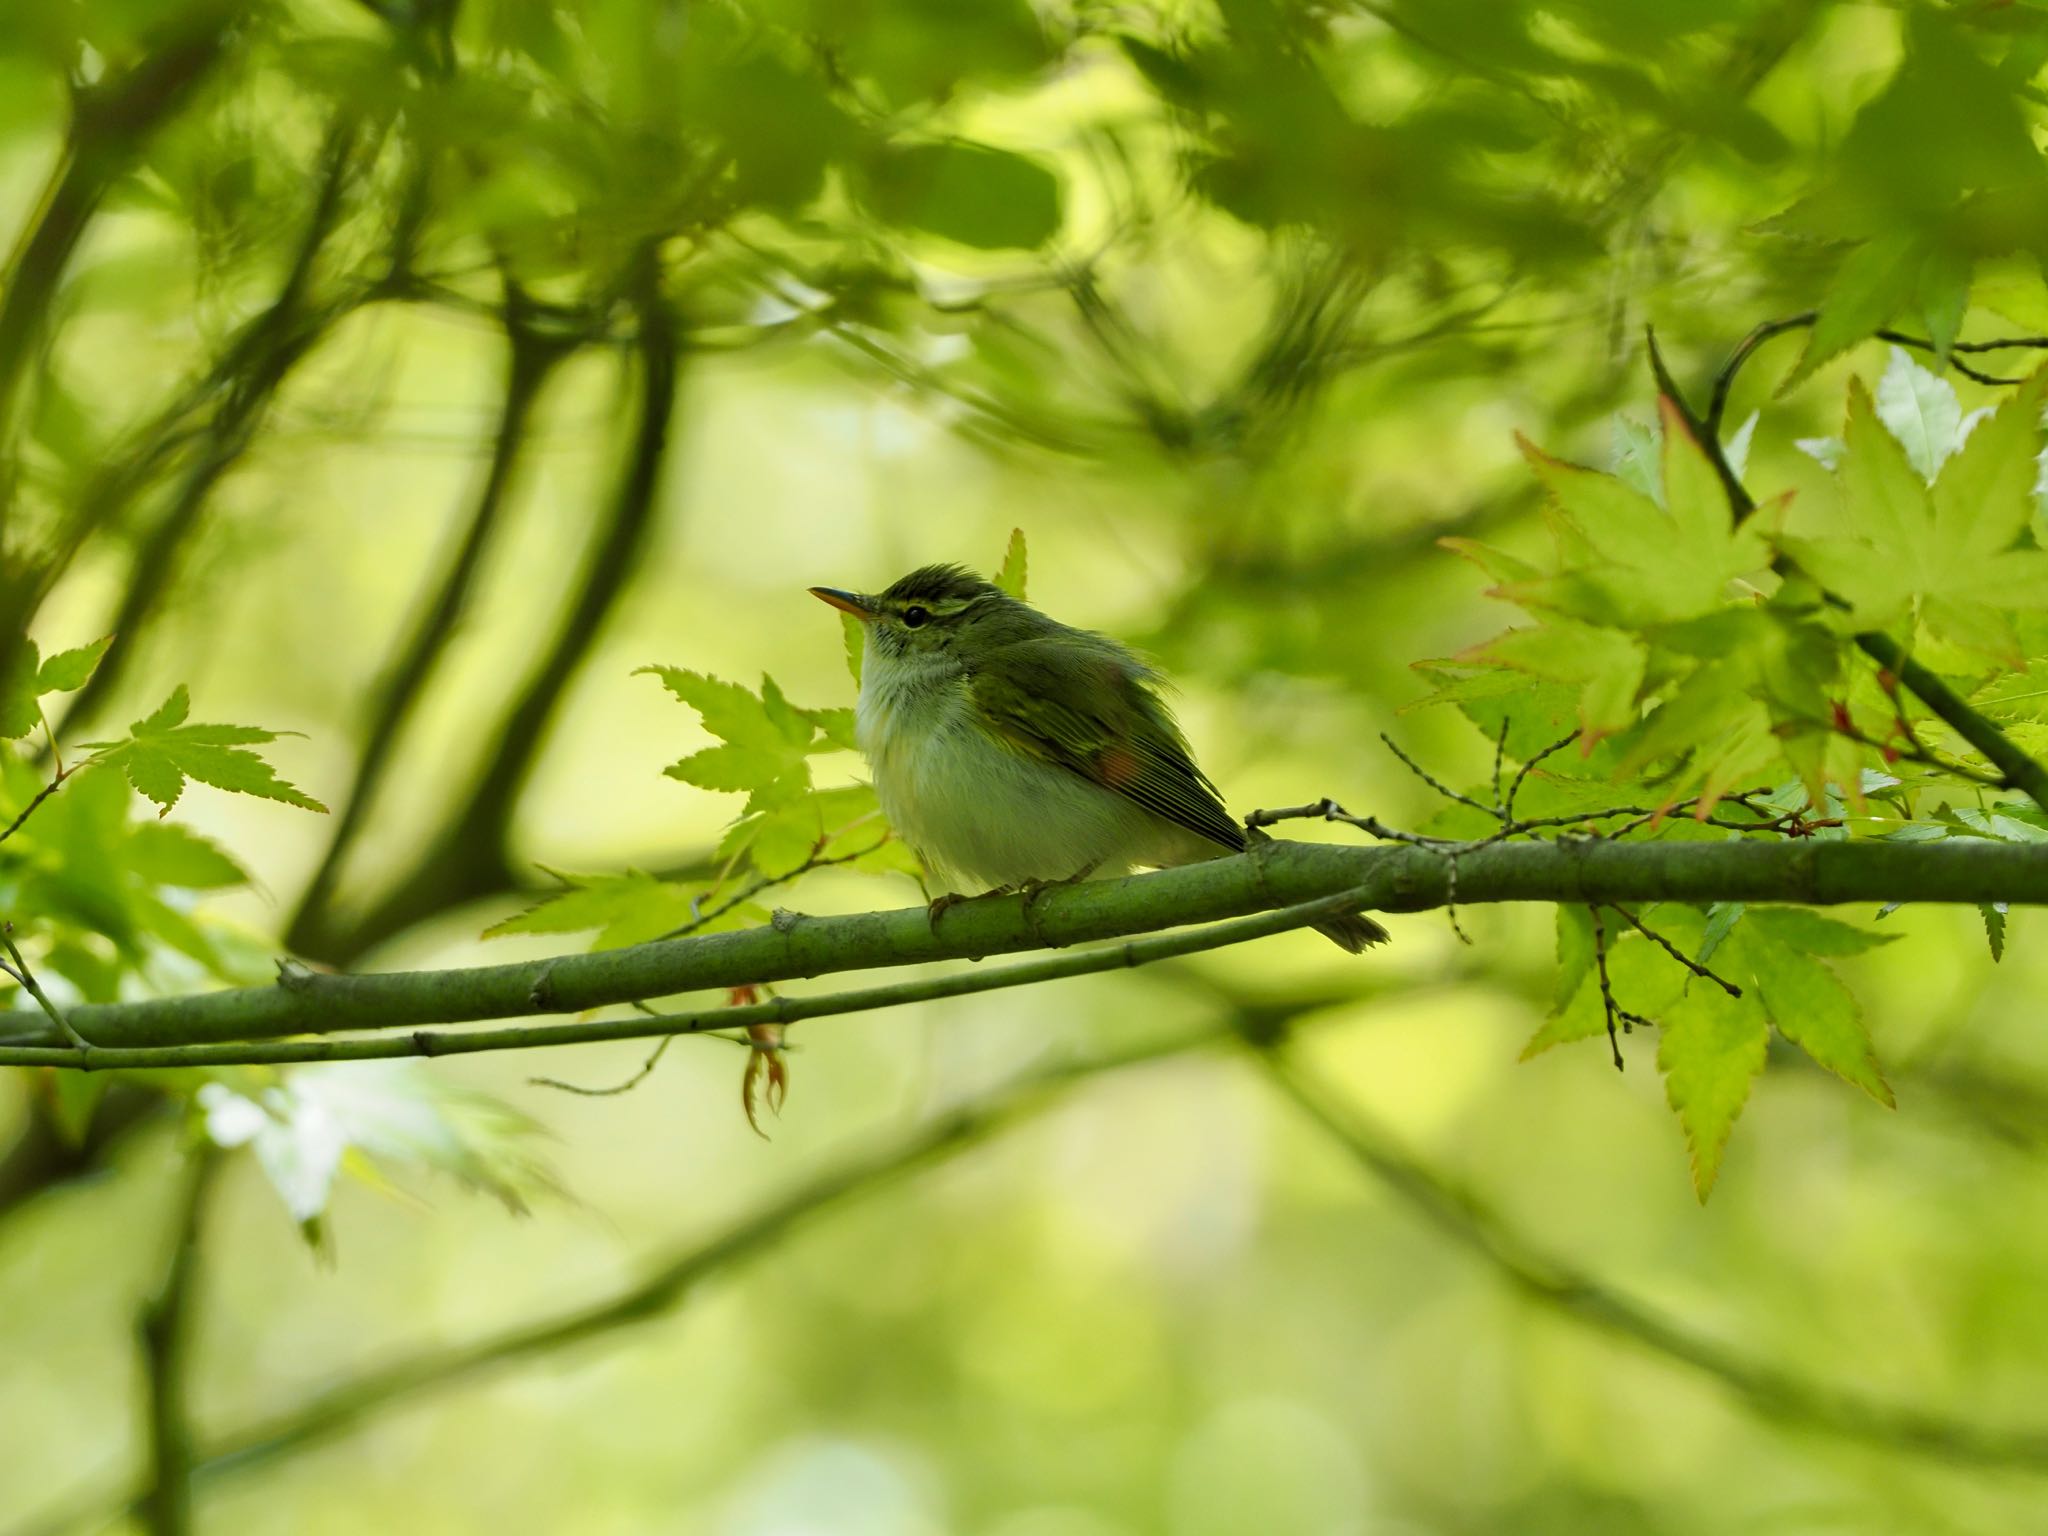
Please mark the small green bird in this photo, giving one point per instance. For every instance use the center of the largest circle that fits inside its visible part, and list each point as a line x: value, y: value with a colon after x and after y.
x: 1010, y: 750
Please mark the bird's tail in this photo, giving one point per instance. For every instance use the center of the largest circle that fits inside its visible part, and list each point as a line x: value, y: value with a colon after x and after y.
x: 1354, y: 933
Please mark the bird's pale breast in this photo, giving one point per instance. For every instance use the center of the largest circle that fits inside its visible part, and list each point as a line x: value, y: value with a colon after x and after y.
x: 983, y: 813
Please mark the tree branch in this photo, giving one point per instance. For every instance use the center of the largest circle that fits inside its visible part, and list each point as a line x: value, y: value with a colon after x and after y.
x: 166, y: 1329
x: 1774, y: 1393
x: 643, y: 1025
x: 1393, y: 879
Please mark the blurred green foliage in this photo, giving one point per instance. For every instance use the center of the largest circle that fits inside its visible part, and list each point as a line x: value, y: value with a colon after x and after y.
x: 409, y: 372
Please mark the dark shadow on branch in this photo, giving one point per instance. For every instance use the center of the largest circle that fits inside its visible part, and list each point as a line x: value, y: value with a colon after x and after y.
x: 245, y: 380
x: 531, y: 355
x: 111, y: 121
x: 469, y: 857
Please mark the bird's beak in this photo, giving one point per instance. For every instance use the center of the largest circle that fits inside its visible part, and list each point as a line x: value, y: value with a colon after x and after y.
x: 846, y: 602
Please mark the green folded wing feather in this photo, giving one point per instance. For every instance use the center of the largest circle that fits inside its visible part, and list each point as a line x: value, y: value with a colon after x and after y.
x: 1088, y: 709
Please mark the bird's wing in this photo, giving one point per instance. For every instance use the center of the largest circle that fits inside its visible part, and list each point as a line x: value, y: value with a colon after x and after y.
x: 1094, y: 715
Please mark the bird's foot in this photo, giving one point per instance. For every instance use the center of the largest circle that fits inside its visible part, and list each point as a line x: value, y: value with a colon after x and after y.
x: 1032, y: 890
x: 939, y: 906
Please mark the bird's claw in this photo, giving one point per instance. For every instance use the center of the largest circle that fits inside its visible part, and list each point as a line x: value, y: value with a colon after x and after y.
x: 939, y: 906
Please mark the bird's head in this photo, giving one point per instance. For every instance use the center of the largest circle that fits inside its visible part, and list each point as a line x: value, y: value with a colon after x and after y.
x: 938, y: 613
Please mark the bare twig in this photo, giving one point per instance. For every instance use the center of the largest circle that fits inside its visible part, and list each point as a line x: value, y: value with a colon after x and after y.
x: 26, y: 978
x: 1675, y: 952
x: 1522, y: 773
x: 1615, y: 1012
x: 646, y: 1069
x: 698, y: 919
x: 29, y: 810
x: 1434, y: 783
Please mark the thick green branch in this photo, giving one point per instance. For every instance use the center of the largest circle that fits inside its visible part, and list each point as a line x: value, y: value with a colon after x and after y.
x: 636, y: 1026
x: 1393, y: 879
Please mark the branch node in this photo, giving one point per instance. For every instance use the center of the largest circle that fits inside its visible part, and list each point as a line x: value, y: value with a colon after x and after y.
x: 293, y: 976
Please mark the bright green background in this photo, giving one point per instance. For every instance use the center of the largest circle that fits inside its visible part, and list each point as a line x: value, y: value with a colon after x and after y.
x: 1170, y: 1304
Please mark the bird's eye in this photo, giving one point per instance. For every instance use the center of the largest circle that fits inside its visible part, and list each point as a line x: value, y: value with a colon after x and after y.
x: 914, y: 617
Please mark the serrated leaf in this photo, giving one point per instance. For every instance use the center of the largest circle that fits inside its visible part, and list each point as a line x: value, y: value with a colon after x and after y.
x: 1636, y: 454
x: 170, y: 713
x: 1921, y: 410
x: 70, y: 670
x: 1736, y: 449
x: 1810, y: 1006
x: 1983, y: 498
x: 629, y: 908
x: 1574, y: 951
x: 856, y: 634
x: 1943, y: 294
x: 164, y: 853
x: 836, y: 727
x: 1874, y: 280
x: 730, y: 767
x: 1993, y: 913
x: 162, y: 753
x: 1722, y: 917
x: 1711, y: 1050
x: 1807, y: 931
x: 1014, y: 570
x: 18, y: 712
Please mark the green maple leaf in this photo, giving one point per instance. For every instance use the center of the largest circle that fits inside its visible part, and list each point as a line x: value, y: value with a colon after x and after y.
x: 162, y: 752
x: 626, y: 909
x: 30, y: 676
x: 1712, y: 1048
x: 1015, y: 565
x: 1805, y: 999
x: 1943, y: 554
x: 1623, y: 560
x: 765, y: 742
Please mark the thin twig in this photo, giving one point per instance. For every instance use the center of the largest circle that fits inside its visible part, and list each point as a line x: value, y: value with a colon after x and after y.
x: 1436, y: 784
x: 29, y: 810
x: 1674, y: 951
x: 1614, y: 1011
x: 769, y: 882
x: 646, y: 1069
x: 1522, y: 773
x: 26, y: 978
x: 1500, y: 747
